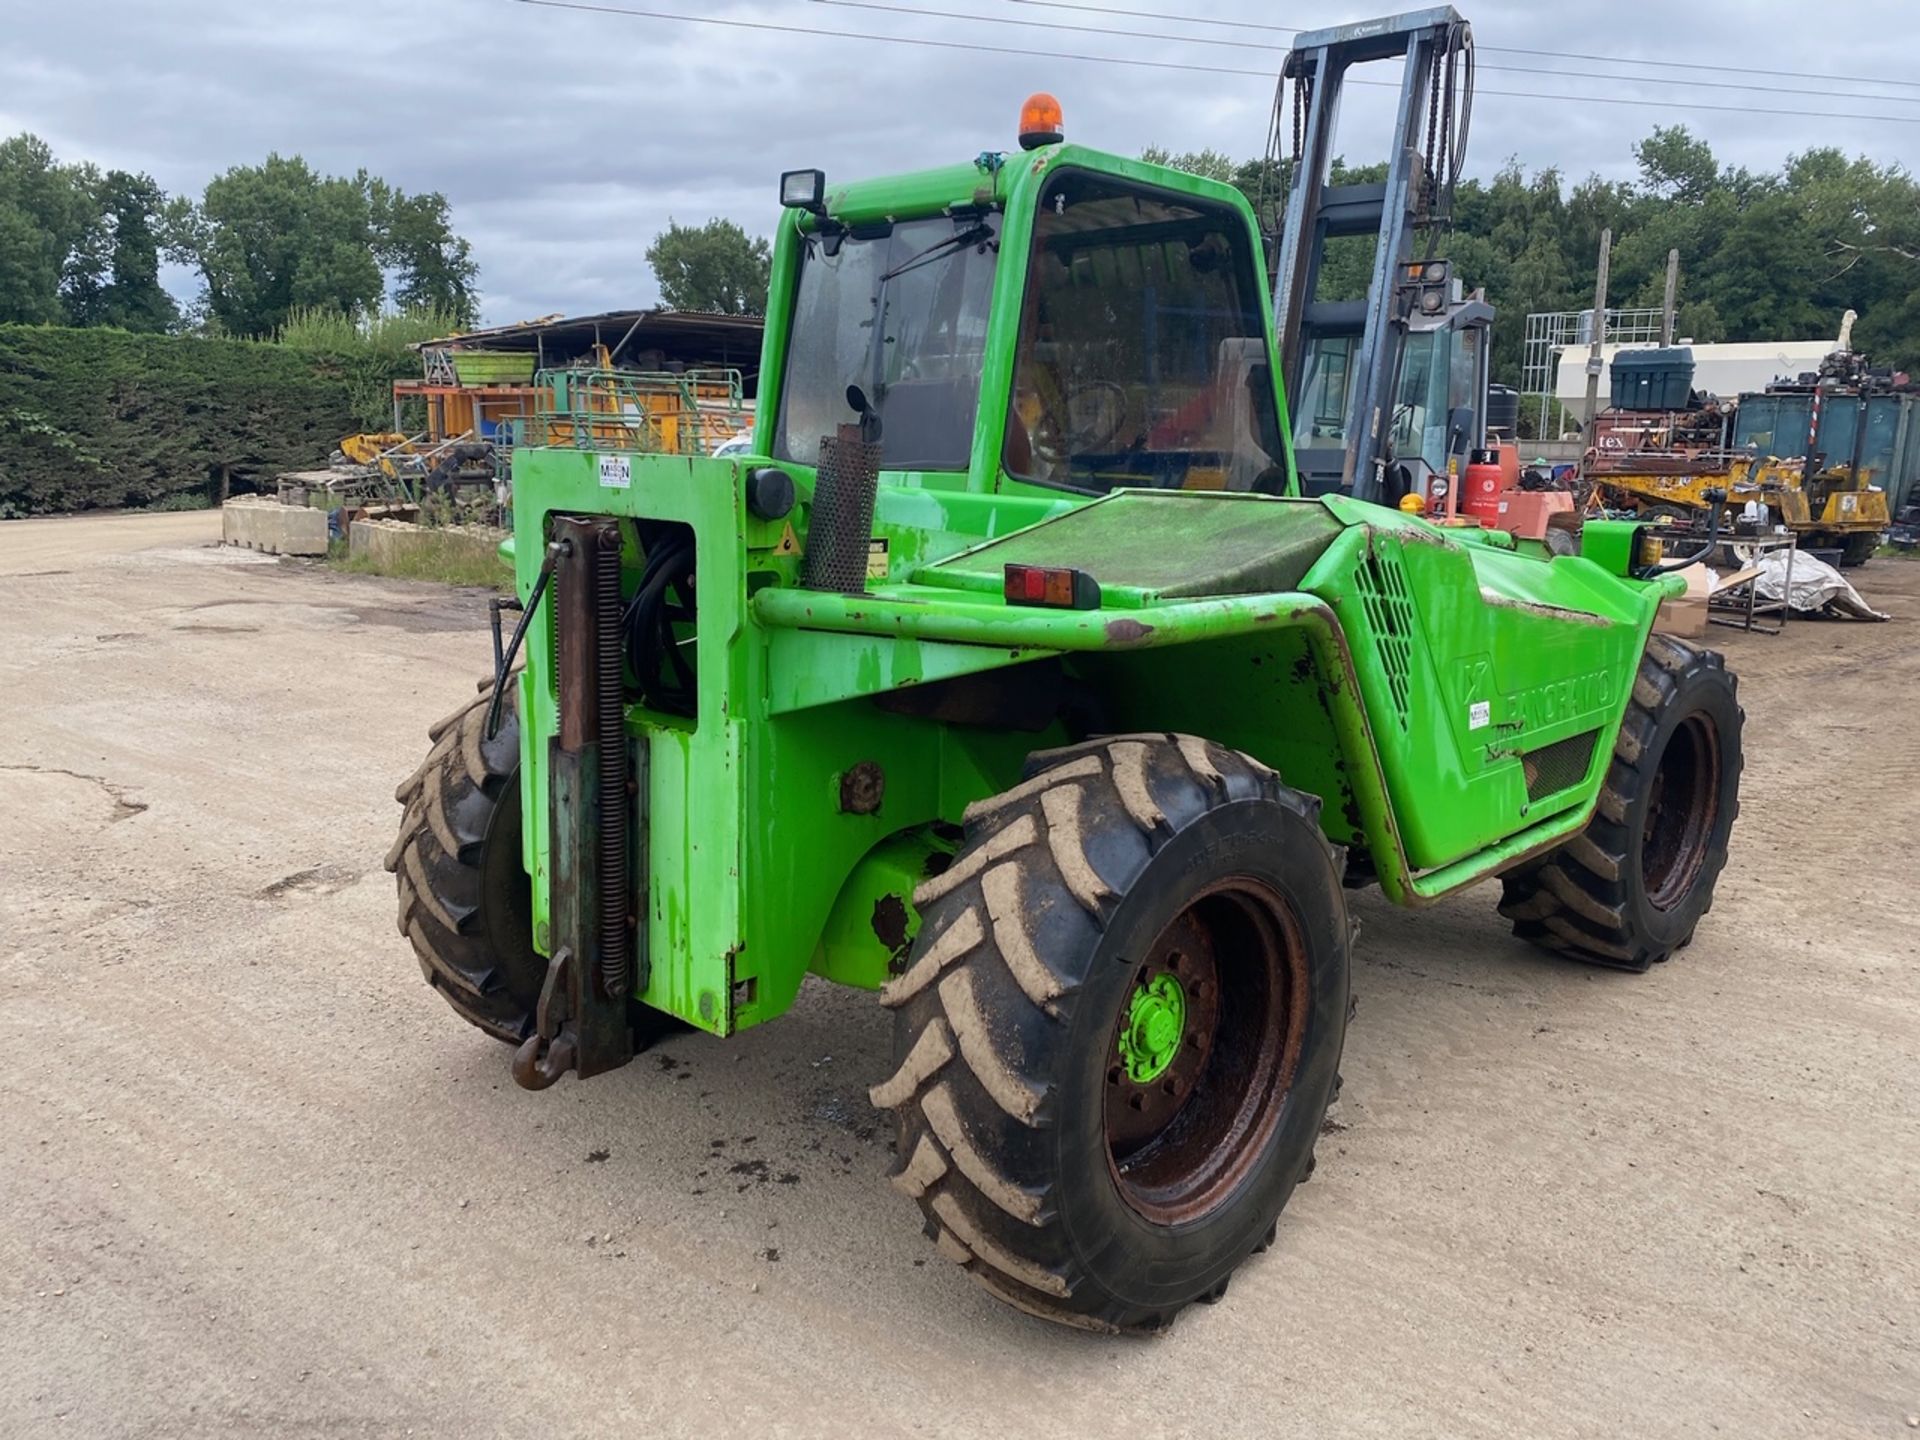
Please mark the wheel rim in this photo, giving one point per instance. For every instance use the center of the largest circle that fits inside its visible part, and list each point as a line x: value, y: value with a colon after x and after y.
x: 1154, y: 1026
x: 1682, y: 803
x: 1204, y: 1050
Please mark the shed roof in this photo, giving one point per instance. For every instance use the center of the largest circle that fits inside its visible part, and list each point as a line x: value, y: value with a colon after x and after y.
x: 696, y: 336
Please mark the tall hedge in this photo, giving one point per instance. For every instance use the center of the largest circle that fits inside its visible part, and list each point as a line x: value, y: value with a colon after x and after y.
x: 93, y: 418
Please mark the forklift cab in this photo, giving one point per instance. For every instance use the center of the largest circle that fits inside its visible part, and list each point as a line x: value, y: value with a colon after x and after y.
x: 1439, y: 399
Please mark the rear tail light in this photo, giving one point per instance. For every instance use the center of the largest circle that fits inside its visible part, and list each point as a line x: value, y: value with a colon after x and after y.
x: 1057, y: 587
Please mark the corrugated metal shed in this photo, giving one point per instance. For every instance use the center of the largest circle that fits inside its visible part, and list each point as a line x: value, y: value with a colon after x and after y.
x: 689, y: 337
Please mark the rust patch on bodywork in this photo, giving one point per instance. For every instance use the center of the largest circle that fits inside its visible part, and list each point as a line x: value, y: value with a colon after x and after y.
x: 1127, y: 631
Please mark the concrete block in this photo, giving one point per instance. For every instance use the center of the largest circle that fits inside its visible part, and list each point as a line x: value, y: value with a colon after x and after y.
x: 389, y: 544
x: 262, y: 524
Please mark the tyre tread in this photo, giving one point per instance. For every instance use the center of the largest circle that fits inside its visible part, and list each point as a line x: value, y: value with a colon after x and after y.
x: 435, y: 863
x: 1577, y: 900
x: 972, y: 1107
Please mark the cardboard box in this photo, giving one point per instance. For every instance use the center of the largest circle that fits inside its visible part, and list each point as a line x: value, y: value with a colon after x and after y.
x: 1686, y: 615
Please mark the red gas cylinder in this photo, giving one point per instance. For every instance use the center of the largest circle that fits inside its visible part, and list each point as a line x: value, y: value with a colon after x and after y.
x: 1481, y: 487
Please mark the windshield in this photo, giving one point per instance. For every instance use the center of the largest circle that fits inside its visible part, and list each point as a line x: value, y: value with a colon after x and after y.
x: 902, y: 314
x: 1437, y: 374
x: 1143, y: 352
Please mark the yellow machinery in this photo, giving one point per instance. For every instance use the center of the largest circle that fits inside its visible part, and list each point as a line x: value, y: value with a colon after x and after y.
x: 1835, y: 510
x: 1832, y: 455
x: 367, y: 448
x: 683, y: 412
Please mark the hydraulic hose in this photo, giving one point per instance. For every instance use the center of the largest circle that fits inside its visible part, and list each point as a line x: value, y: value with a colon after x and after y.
x: 662, y: 600
x: 504, y: 662
x: 1717, y: 501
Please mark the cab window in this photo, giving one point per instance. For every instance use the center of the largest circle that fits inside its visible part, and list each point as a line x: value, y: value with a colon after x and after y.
x: 898, y: 312
x: 1142, y: 356
x: 1326, y: 397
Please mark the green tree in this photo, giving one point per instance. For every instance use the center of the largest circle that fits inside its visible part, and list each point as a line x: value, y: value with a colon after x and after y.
x: 115, y: 276
x: 46, y: 214
x: 78, y: 247
x: 1210, y: 163
x: 1764, y: 255
x: 29, y: 286
x: 1699, y: 322
x: 275, y: 237
x: 1676, y: 166
x: 716, y: 266
x: 1761, y: 280
x: 434, y: 268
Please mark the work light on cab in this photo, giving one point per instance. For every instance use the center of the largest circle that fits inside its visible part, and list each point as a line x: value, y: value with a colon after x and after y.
x: 1040, y: 122
x: 804, y: 190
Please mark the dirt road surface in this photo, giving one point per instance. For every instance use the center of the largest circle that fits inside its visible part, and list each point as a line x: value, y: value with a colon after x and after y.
x: 256, y: 1179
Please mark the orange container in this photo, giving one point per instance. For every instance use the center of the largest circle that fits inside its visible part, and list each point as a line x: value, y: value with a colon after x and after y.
x: 1524, y: 513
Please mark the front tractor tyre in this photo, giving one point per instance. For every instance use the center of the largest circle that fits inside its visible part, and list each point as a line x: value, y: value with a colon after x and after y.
x: 1629, y: 889
x: 1119, y: 1028
x: 466, y: 902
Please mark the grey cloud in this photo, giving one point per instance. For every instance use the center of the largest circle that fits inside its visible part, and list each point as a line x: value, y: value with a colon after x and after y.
x: 565, y: 140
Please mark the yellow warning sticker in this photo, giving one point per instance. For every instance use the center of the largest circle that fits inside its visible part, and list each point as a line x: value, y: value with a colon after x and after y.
x: 877, y: 558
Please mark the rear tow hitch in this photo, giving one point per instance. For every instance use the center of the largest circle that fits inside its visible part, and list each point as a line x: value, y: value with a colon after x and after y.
x: 584, y: 1019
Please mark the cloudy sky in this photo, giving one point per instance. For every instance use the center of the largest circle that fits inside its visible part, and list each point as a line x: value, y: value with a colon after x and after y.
x: 565, y: 138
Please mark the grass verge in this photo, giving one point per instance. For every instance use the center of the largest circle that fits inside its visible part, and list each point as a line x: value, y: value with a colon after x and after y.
x: 441, y: 559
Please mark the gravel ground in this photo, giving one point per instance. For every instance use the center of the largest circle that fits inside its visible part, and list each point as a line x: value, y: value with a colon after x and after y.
x: 256, y: 1179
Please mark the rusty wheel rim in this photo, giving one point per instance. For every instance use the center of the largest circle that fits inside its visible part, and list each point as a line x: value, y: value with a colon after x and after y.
x: 1186, y: 1122
x: 1682, y: 805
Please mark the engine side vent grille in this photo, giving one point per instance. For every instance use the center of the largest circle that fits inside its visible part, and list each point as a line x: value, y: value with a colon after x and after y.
x: 1382, y: 586
x: 1559, y: 766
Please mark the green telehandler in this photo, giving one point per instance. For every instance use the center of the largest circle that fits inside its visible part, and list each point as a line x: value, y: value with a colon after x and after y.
x: 1013, y: 677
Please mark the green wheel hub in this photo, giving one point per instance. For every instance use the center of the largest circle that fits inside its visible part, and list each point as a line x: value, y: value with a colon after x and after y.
x: 1156, y: 1022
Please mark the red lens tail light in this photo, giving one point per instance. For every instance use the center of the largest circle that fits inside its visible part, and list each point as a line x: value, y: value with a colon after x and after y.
x: 1057, y: 587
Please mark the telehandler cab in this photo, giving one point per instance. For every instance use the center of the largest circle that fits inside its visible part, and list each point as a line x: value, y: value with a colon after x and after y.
x: 1011, y: 677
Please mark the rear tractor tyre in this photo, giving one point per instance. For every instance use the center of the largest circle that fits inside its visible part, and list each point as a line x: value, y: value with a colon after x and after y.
x: 1629, y: 889
x: 466, y: 902
x: 1857, y: 550
x: 1120, y: 1028
x: 1561, y: 542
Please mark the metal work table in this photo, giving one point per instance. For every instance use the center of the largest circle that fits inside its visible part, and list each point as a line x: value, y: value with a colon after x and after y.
x: 1740, y: 605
